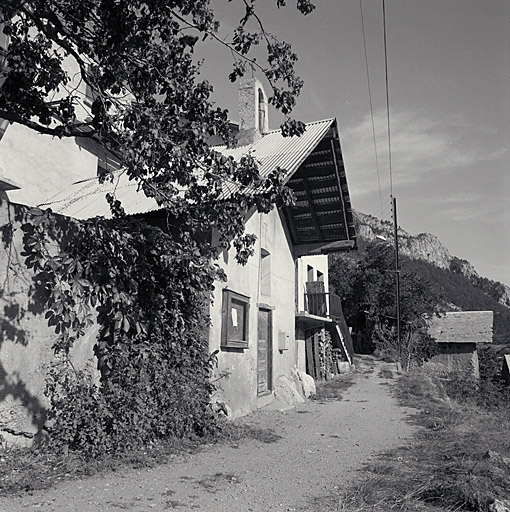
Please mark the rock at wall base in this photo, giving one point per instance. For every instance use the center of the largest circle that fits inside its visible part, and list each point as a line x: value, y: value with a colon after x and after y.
x: 309, y: 388
x: 344, y: 367
x: 304, y: 383
x: 285, y: 391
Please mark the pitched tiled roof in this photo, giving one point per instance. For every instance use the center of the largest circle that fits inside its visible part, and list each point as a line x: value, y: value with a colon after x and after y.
x: 463, y: 327
x: 85, y: 199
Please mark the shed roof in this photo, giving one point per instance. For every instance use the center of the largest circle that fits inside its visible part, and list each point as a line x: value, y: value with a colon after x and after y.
x: 463, y: 327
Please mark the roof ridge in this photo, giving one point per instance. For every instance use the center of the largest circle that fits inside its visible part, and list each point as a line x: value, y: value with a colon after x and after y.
x: 329, y: 119
x: 276, y: 130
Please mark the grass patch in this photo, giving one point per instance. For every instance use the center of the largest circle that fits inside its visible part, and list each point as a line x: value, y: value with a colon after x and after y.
x: 27, y: 470
x: 385, y: 373
x: 459, y: 459
x: 333, y: 389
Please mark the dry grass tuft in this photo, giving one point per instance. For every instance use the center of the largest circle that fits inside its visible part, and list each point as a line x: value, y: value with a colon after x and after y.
x: 28, y: 470
x: 458, y: 461
x: 385, y: 373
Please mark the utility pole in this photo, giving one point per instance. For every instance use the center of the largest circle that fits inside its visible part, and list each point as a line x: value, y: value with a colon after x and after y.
x: 397, y: 271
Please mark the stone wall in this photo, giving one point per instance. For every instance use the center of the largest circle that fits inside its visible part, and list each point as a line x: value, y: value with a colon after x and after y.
x: 456, y: 357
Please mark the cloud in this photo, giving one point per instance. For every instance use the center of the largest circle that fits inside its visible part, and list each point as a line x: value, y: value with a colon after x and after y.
x: 461, y: 197
x: 468, y: 207
x: 421, y: 145
x: 460, y: 213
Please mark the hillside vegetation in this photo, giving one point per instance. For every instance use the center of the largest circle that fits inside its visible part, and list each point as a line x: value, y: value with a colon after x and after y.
x: 451, y: 281
x: 458, y: 290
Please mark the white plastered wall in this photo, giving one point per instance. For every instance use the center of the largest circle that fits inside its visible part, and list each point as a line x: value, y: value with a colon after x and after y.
x: 239, y: 389
x: 319, y: 263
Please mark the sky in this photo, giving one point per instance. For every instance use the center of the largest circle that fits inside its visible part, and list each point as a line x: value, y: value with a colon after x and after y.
x: 449, y: 99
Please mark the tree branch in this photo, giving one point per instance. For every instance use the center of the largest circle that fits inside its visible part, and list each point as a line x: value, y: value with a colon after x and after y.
x: 58, y: 131
x: 214, y: 36
x: 53, y: 36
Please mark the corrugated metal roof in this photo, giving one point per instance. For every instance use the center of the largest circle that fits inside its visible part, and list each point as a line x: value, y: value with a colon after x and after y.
x: 85, y: 199
x: 463, y: 327
x: 274, y: 150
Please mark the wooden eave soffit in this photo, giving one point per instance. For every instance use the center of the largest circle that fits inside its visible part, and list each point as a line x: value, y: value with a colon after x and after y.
x: 321, y: 221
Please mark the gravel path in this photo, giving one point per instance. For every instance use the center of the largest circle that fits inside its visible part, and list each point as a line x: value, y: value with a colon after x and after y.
x: 321, y: 444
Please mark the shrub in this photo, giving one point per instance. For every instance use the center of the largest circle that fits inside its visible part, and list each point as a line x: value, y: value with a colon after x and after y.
x: 489, y: 391
x: 151, y: 348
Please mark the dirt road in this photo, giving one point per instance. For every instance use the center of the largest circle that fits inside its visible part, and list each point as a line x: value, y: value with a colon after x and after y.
x: 317, y: 446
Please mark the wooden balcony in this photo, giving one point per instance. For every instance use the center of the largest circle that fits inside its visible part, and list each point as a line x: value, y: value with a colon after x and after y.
x: 324, y: 310
x: 320, y: 303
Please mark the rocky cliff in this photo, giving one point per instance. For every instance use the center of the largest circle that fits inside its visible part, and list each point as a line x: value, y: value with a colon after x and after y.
x: 427, y: 247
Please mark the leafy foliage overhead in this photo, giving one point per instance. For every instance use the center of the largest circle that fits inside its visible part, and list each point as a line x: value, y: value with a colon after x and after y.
x: 142, y: 281
x: 149, y: 106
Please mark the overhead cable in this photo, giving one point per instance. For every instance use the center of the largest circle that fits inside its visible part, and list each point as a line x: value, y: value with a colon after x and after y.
x: 371, y: 105
x: 387, y: 95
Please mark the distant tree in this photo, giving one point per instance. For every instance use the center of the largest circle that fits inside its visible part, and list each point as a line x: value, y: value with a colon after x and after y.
x: 368, y: 292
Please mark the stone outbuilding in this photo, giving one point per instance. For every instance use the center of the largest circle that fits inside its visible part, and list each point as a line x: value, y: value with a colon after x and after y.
x: 457, y: 334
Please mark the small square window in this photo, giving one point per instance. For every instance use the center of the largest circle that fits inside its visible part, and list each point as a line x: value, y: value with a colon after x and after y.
x: 235, y: 320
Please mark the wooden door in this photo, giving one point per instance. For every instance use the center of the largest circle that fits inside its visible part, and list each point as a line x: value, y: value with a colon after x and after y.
x: 264, y: 351
x: 316, y: 298
x: 313, y: 367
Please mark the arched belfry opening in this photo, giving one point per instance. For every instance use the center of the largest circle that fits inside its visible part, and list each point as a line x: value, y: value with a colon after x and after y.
x: 263, y: 120
x: 253, y: 111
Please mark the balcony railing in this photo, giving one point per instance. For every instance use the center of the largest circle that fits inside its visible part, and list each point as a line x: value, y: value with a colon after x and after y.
x: 318, y: 302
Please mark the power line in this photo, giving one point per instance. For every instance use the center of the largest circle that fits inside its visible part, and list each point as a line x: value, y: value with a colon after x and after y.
x: 371, y: 105
x: 387, y: 95
x: 392, y: 198
x: 386, y: 212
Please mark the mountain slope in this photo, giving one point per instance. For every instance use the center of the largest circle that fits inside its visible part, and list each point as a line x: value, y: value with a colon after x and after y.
x: 454, y: 279
x: 429, y: 248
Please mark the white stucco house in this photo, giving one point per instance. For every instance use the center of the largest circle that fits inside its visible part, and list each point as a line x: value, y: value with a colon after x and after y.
x: 273, y: 315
